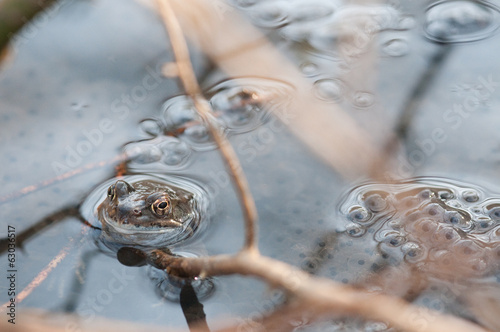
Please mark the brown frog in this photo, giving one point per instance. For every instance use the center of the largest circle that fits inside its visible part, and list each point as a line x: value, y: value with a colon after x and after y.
x: 147, y: 212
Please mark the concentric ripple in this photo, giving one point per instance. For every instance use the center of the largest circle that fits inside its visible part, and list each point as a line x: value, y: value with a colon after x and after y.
x: 442, y: 226
x: 115, y: 235
x: 244, y: 104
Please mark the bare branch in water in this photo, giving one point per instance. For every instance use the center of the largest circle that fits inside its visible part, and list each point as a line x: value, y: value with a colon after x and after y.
x: 188, y: 79
x: 321, y: 296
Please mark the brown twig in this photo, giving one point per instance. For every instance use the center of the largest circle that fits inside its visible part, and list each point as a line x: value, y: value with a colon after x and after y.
x: 322, y: 296
x: 192, y: 88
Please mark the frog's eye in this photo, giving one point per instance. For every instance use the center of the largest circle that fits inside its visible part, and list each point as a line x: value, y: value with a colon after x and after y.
x: 161, y: 206
x: 111, y: 192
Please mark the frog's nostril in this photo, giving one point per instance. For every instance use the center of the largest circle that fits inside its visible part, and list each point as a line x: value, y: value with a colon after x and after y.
x: 137, y: 212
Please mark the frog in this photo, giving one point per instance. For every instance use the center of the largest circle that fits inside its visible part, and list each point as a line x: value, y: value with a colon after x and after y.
x: 146, y: 211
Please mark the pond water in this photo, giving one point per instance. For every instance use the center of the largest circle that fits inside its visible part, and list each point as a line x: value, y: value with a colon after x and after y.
x: 83, y: 92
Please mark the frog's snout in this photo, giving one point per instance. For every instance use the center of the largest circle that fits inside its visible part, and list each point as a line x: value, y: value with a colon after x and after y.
x: 122, y: 188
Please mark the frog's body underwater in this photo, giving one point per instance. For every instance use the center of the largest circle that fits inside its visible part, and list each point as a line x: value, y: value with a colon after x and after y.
x: 148, y: 212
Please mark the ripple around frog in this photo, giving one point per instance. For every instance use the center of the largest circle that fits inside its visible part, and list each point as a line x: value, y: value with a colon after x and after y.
x: 429, y: 220
x: 111, y: 236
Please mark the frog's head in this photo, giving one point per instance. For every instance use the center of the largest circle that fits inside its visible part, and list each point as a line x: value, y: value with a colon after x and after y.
x: 137, y: 208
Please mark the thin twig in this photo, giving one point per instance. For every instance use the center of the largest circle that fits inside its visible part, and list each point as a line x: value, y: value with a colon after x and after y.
x: 190, y: 83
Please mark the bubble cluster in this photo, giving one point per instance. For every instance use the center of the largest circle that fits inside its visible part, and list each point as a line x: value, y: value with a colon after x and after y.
x: 240, y: 105
x: 244, y: 104
x: 157, y: 154
x: 182, y: 120
x: 460, y: 21
x: 432, y: 223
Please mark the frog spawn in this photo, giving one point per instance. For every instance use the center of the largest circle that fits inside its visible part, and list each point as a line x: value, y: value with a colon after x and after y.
x: 446, y: 229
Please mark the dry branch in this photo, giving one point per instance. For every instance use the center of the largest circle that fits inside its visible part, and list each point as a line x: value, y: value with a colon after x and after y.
x: 323, y: 296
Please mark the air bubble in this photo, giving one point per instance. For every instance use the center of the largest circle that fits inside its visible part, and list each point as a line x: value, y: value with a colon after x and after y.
x: 175, y: 152
x: 311, y: 11
x: 309, y: 68
x: 484, y: 224
x: 445, y: 195
x: 376, y: 203
x: 182, y: 121
x: 460, y: 21
x: 494, y: 213
x: 412, y: 252
x: 355, y: 230
x: 142, y: 153
x: 246, y: 3
x: 470, y: 196
x: 363, y: 99
x: 359, y: 214
x: 396, y: 47
x: 329, y: 89
x: 457, y: 219
x: 151, y: 127
x: 393, y: 239
x: 272, y: 14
